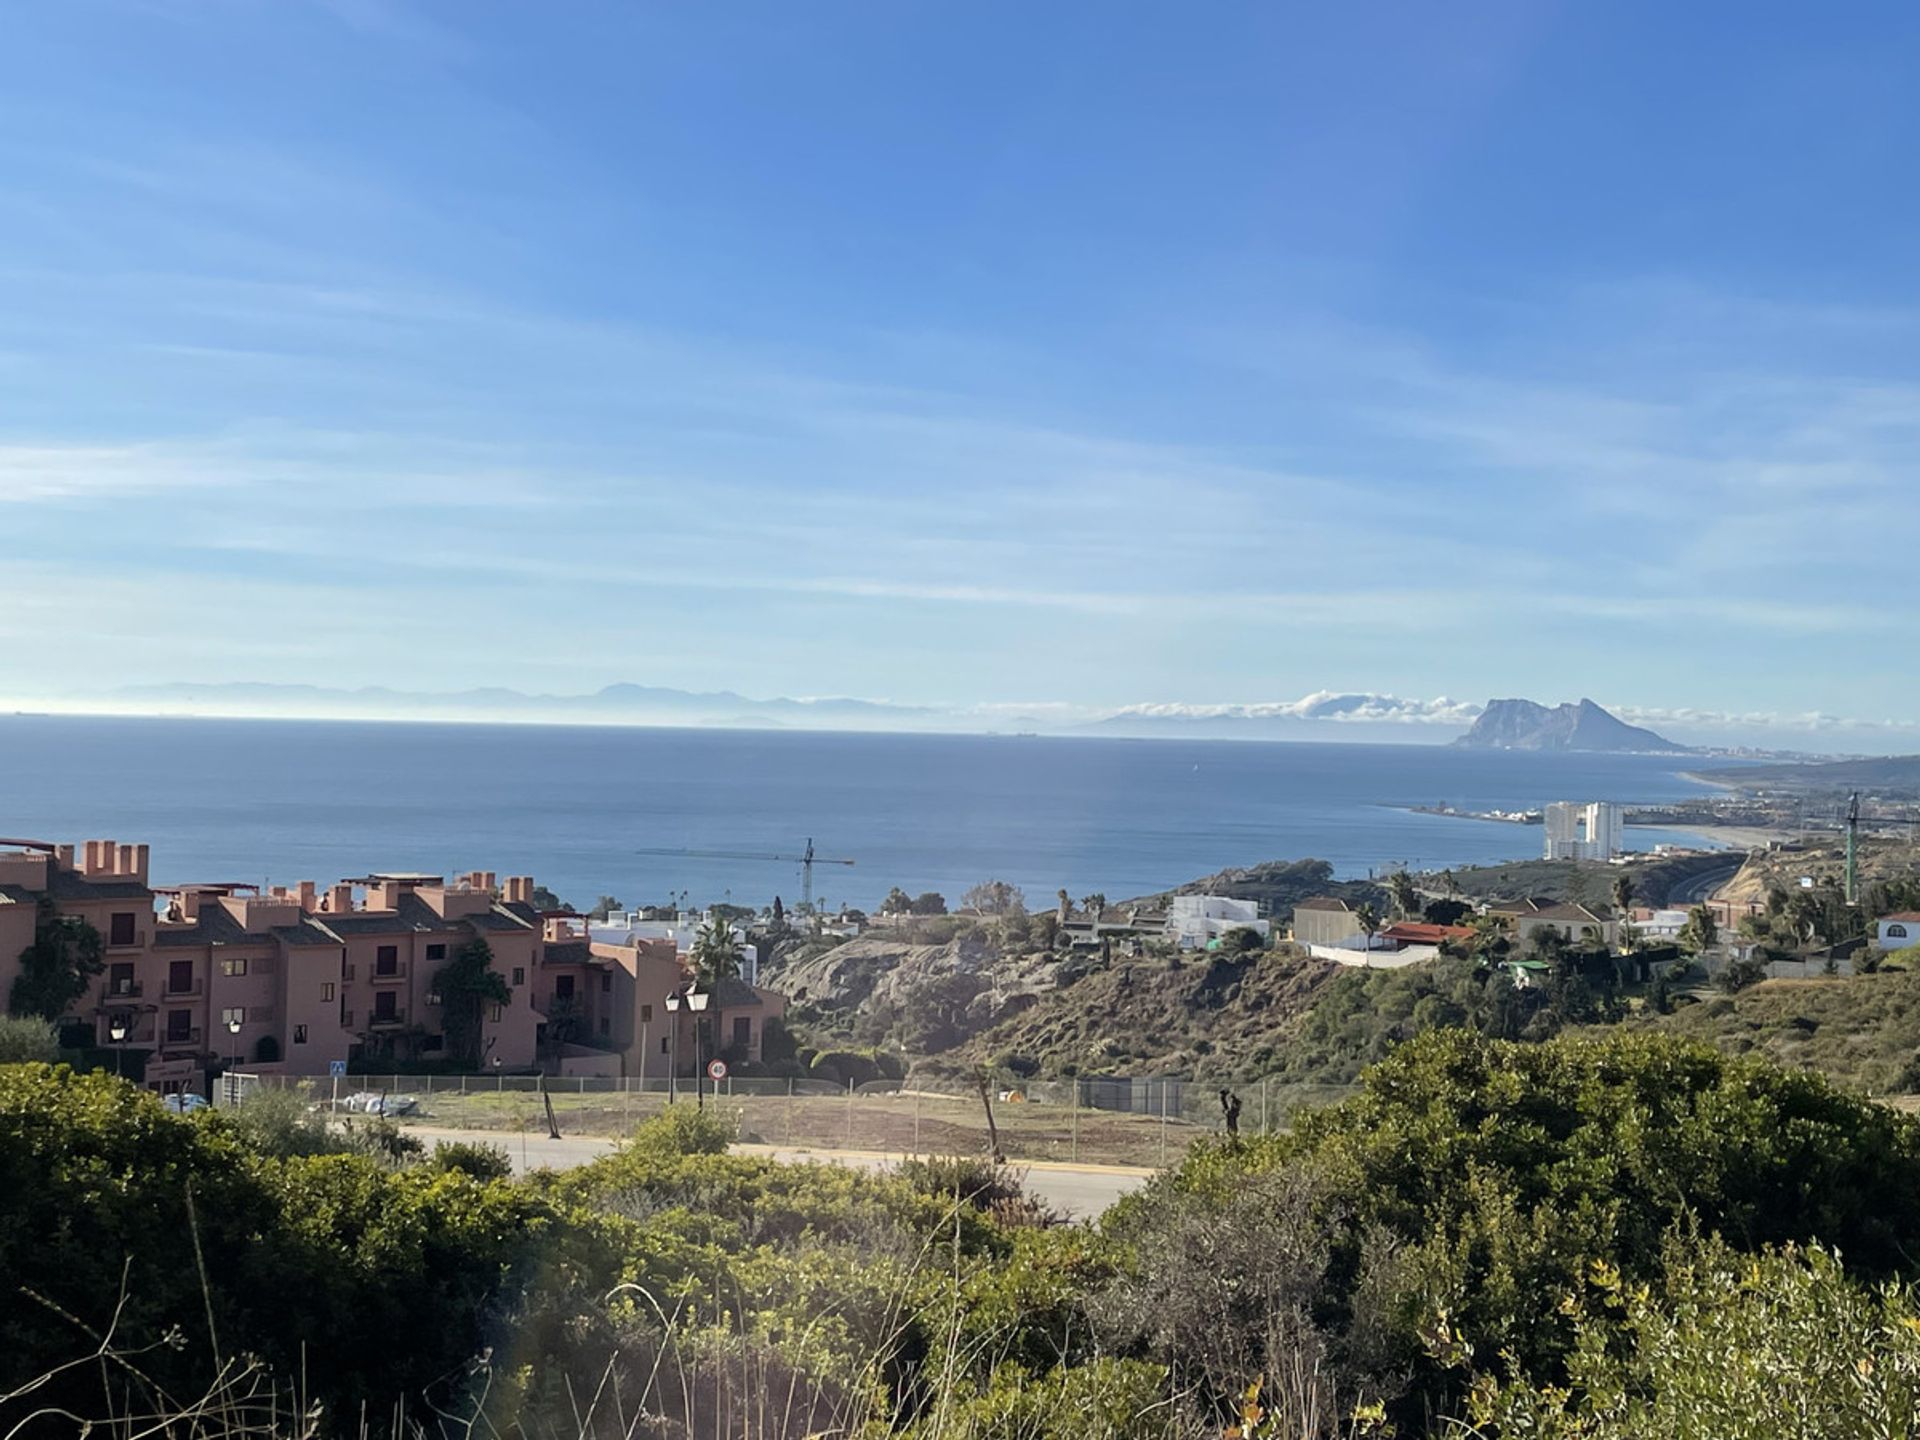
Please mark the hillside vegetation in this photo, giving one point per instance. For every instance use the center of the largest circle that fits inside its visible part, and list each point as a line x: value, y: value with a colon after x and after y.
x: 1484, y: 1222
x: 1863, y: 1032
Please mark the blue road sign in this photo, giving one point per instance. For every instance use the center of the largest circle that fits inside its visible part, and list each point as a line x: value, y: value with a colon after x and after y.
x: 337, y: 1068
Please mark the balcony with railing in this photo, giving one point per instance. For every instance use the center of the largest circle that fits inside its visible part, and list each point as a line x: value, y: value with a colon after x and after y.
x: 172, y: 1039
x: 191, y: 990
x: 392, y: 1020
x: 124, y: 990
x: 392, y: 974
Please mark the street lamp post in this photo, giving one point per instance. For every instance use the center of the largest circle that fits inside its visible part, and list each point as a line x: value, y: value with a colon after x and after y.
x: 697, y: 1002
x: 233, y: 1029
x: 117, y: 1032
x: 673, y: 1048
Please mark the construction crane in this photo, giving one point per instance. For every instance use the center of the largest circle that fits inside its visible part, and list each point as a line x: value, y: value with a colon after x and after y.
x: 1854, y: 817
x: 806, y: 861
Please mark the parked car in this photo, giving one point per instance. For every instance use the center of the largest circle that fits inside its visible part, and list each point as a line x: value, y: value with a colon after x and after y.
x: 184, y: 1102
x: 378, y: 1102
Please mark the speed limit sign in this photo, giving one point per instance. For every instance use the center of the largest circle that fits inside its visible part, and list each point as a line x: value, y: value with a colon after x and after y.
x: 717, y: 1069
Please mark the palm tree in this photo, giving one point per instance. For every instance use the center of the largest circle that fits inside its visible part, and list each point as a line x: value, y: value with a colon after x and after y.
x: 1622, y: 907
x: 1368, y: 919
x: 1406, y: 896
x: 716, y: 954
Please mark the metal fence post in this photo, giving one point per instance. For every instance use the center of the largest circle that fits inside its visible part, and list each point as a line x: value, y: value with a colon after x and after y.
x: 849, y: 1114
x: 1073, y: 1102
x: 1265, y: 1086
x: 916, y: 1122
x: 789, y: 1108
x: 1163, y: 1123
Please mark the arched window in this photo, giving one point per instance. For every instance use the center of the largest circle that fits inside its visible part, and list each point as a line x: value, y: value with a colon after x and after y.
x: 266, y: 1050
x: 1896, y: 932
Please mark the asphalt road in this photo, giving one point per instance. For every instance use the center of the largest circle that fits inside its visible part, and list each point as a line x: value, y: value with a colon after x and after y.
x: 1082, y: 1191
x: 1702, y: 886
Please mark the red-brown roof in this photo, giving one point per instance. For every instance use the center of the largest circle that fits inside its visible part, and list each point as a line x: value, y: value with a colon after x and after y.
x: 1416, y: 932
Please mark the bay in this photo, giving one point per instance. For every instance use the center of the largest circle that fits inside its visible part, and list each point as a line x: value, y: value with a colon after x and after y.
x: 280, y: 801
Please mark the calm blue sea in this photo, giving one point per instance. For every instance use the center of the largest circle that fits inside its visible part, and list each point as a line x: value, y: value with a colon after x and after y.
x: 288, y: 800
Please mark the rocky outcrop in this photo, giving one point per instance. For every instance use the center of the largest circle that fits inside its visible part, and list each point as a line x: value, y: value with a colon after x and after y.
x: 1528, y: 725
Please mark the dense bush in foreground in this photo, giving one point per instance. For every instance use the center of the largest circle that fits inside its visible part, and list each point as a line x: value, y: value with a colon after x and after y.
x: 1597, y: 1238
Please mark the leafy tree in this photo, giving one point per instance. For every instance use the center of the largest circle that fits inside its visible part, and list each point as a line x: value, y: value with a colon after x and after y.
x: 603, y: 907
x: 468, y: 984
x: 995, y: 897
x: 1368, y: 919
x: 56, y: 969
x: 716, y: 953
x: 1242, y: 940
x: 930, y: 902
x: 1701, y: 932
x: 1446, y: 912
x: 545, y: 899
x: 26, y: 1038
x: 1093, y: 904
x: 898, y: 902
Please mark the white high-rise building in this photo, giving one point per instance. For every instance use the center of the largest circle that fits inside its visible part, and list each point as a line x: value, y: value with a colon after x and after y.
x: 1583, y: 832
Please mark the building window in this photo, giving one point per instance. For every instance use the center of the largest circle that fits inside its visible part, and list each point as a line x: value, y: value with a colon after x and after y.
x: 385, y: 1007
x: 179, y: 1027
x: 742, y: 1030
x: 606, y: 1025
x: 1896, y: 932
x: 499, y: 1014
x: 232, y: 1015
x: 606, y: 984
x: 646, y: 1014
x: 326, y: 992
x: 120, y: 928
x: 436, y: 952
x: 233, y: 968
x: 519, y: 974
x: 180, y: 977
x: 120, y: 980
x: 663, y: 1044
x: 386, y: 960
x: 299, y: 1034
x: 563, y: 987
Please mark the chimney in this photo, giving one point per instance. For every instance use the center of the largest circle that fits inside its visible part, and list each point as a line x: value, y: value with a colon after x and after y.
x: 123, y: 865
x: 64, y: 855
x: 490, y: 881
x: 189, y: 904
x: 140, y: 857
x: 92, y: 855
x: 340, y: 900
x: 306, y: 896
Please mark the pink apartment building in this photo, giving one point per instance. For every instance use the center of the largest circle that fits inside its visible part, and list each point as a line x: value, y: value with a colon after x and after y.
x: 199, y: 977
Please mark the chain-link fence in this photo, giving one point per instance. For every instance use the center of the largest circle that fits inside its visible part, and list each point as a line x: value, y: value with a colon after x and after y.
x: 1140, y: 1122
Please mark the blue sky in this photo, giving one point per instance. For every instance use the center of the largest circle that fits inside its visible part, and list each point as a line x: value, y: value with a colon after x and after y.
x: 990, y: 355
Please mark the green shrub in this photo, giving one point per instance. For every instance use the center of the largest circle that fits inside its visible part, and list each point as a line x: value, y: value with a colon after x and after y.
x: 280, y: 1123
x: 1732, y: 1346
x: 481, y: 1162
x: 26, y: 1038
x: 1493, y: 1173
x: 684, y: 1130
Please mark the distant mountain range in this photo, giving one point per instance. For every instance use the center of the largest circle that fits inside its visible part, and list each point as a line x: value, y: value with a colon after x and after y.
x: 615, y: 704
x: 1529, y: 725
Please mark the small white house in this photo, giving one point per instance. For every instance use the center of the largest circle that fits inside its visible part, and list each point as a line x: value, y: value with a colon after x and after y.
x: 1193, y: 920
x: 1899, y: 931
